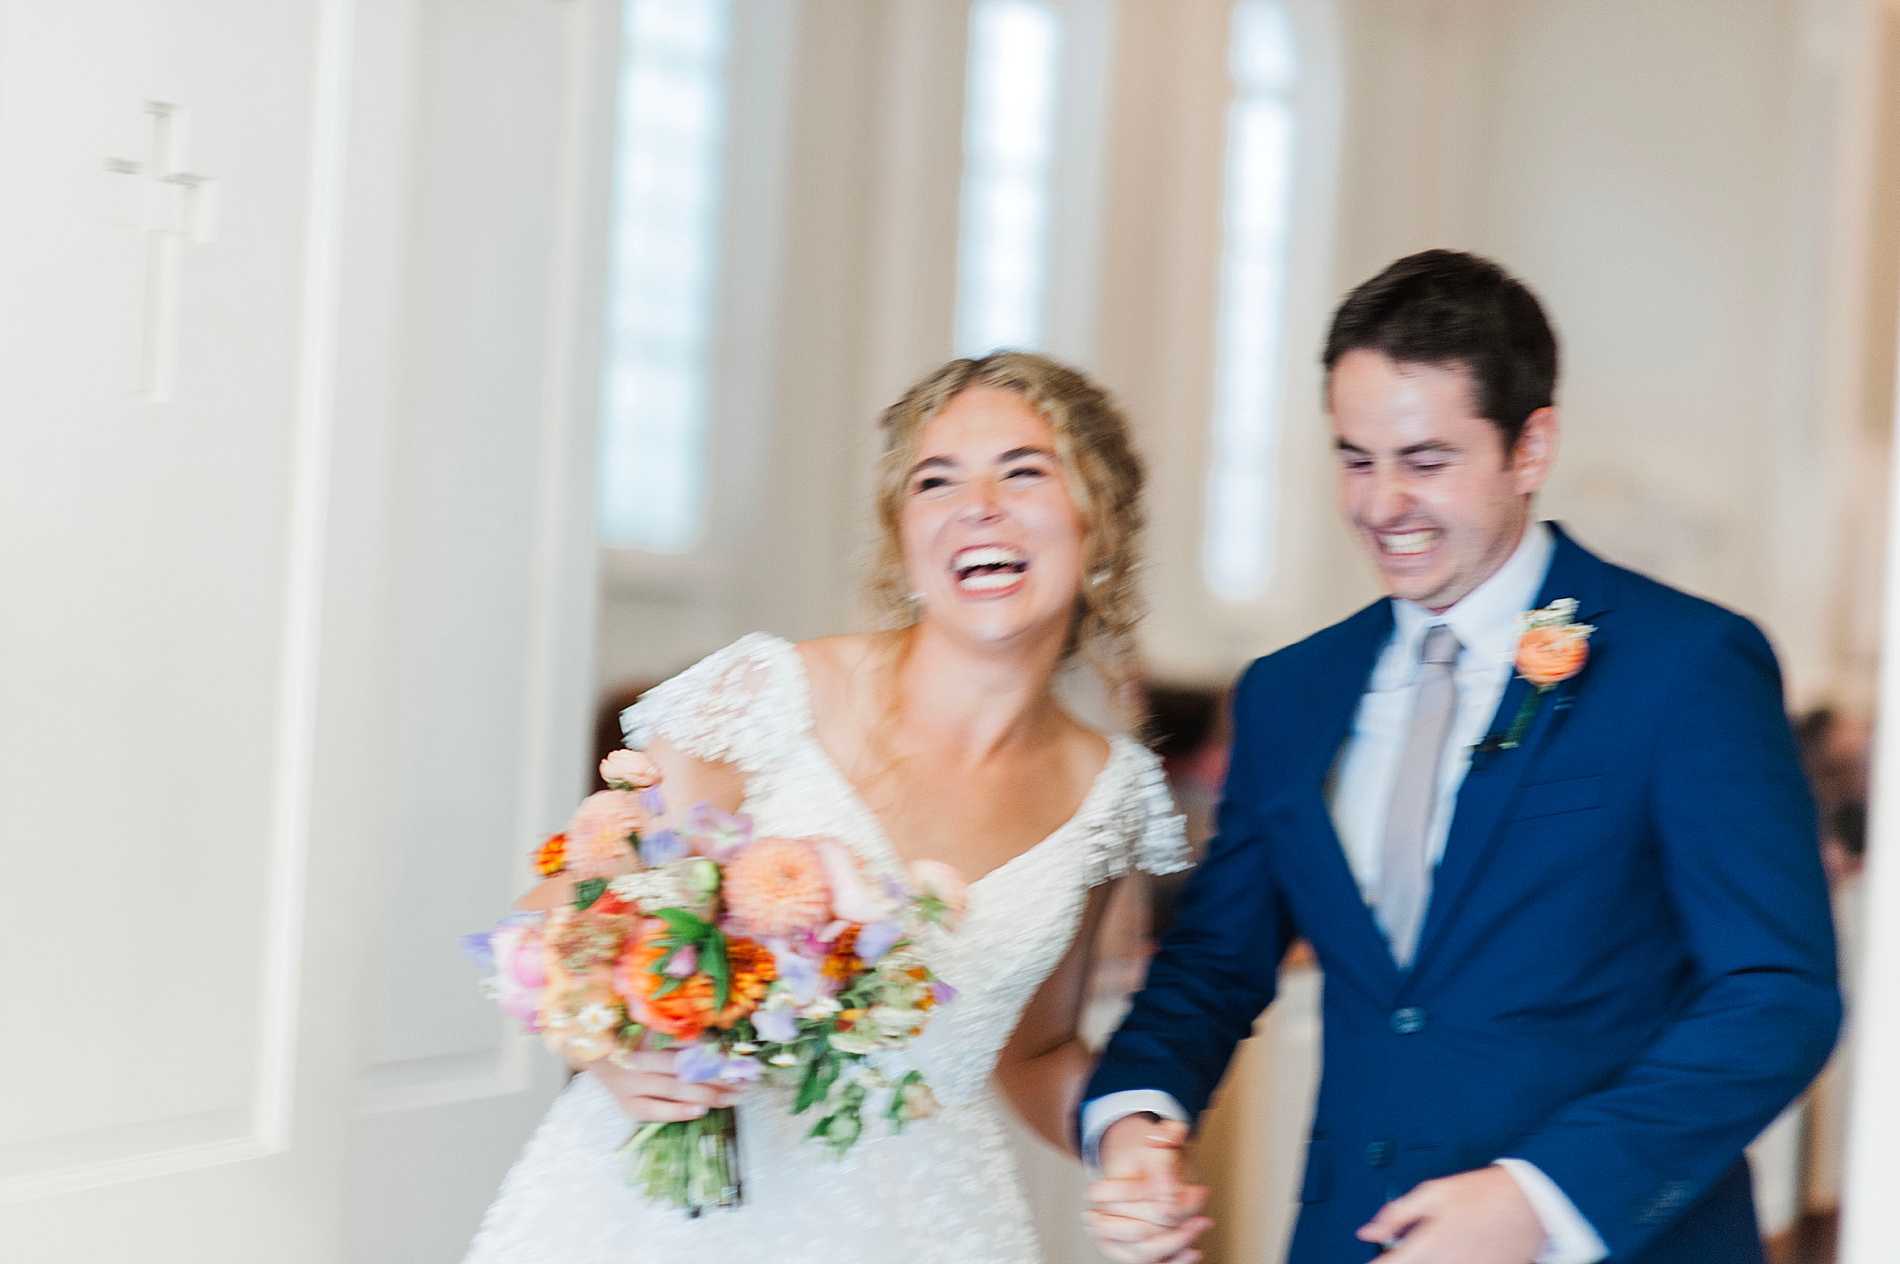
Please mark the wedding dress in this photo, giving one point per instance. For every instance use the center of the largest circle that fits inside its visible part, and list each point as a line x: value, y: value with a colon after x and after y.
x: 945, y: 1190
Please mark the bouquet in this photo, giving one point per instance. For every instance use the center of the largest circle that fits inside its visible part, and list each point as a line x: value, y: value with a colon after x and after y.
x: 755, y: 958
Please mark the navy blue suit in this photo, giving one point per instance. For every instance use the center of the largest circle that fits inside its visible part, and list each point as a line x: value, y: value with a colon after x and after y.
x: 1627, y: 964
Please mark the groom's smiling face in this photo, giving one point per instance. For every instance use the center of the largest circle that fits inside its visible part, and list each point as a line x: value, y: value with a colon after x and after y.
x: 1428, y: 485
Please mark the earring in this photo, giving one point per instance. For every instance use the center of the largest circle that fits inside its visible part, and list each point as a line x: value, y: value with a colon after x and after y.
x: 916, y: 599
x: 1098, y: 577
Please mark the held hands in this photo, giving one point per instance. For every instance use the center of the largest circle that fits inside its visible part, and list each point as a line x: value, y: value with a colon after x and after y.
x: 1142, y: 1211
x: 1479, y: 1217
x: 649, y: 1092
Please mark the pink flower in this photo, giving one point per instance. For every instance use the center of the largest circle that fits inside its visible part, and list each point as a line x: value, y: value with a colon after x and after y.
x: 776, y: 887
x: 941, y: 891
x: 716, y: 835
x: 629, y: 770
x: 853, y: 897
x: 599, y: 836
x: 520, y: 970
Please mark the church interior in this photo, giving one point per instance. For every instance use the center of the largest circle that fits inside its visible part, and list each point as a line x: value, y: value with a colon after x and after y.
x: 396, y: 389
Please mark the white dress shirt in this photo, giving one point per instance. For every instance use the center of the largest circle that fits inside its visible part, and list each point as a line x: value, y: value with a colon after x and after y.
x: 1485, y: 623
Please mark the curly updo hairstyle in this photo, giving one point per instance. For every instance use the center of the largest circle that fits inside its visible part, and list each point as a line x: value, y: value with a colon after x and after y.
x: 1099, y: 465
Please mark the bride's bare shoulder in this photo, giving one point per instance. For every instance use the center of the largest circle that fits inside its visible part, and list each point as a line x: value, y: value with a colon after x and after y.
x: 844, y: 653
x: 1086, y: 750
x: 836, y: 669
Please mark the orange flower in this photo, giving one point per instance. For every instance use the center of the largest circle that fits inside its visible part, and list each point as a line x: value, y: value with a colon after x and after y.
x: 582, y: 1022
x: 687, y: 1011
x: 842, y: 963
x: 550, y: 857
x: 777, y: 887
x: 600, y: 837
x: 629, y: 770
x: 1549, y: 656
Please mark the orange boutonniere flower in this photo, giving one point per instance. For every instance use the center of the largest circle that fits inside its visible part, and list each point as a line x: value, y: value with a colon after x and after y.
x: 1550, y: 656
x: 1552, y: 647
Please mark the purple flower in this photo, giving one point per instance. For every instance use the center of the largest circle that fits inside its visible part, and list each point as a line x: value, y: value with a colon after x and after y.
x: 650, y: 800
x: 476, y: 948
x: 742, y: 1069
x: 780, y: 1026
x: 798, y: 972
x: 942, y: 992
x: 683, y: 964
x: 716, y: 835
x: 662, y: 847
x: 698, y: 1063
x: 876, y: 939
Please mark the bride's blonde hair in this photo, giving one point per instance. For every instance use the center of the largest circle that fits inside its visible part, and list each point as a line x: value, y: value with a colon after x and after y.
x: 1103, y: 474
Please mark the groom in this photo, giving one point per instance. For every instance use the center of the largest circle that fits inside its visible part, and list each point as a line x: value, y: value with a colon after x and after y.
x: 1569, y: 908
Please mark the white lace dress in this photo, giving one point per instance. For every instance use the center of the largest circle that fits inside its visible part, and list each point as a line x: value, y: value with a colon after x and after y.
x: 947, y: 1188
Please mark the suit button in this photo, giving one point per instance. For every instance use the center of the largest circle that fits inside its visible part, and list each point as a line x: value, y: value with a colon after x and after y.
x: 1378, y: 1154
x: 1408, y: 1021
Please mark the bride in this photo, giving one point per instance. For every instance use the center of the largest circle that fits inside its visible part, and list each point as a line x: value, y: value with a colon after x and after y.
x: 1008, y: 506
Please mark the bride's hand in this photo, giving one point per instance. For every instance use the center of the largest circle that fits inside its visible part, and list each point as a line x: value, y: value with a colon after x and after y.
x: 1142, y: 1211
x: 649, y: 1092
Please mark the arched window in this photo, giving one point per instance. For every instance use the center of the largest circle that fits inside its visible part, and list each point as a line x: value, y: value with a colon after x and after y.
x: 1009, y: 133
x: 1238, y: 546
x: 661, y: 310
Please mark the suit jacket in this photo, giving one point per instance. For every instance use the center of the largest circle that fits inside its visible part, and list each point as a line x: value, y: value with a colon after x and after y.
x: 1627, y: 964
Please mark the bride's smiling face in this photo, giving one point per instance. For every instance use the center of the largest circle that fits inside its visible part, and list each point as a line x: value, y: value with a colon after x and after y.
x: 993, y: 542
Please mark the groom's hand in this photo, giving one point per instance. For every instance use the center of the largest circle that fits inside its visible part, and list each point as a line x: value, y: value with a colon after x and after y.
x: 1143, y: 1211
x: 1479, y: 1217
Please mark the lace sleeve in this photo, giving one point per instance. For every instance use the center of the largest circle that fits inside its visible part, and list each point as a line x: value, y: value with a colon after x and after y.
x: 1161, y: 844
x: 743, y: 705
x: 1141, y: 829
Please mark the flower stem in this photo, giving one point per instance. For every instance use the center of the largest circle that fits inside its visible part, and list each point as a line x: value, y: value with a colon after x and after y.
x: 692, y: 1165
x: 1524, y: 714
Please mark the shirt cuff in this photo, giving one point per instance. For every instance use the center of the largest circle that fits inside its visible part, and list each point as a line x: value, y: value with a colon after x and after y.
x: 1099, y: 1114
x: 1568, y: 1237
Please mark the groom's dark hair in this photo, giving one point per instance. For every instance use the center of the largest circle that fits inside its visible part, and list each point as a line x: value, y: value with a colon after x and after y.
x: 1444, y: 307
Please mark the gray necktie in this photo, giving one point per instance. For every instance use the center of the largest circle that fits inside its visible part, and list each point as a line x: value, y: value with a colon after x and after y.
x: 1405, y: 872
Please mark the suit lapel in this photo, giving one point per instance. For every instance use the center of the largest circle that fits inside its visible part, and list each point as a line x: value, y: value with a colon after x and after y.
x: 1337, y: 687
x: 1493, y: 780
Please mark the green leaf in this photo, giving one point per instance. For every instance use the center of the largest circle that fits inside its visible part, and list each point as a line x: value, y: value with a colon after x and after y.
x: 667, y: 989
x: 895, y: 1112
x: 684, y: 926
x: 820, y: 1073
x: 715, y: 966
x: 586, y: 892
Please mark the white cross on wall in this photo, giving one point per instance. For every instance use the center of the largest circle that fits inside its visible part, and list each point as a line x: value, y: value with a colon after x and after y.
x: 173, y: 206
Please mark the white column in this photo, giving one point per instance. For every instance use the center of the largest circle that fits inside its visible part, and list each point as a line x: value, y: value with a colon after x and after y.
x: 1873, y: 1164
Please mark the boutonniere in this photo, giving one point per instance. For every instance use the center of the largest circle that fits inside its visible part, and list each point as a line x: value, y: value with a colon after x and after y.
x: 1552, y: 647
